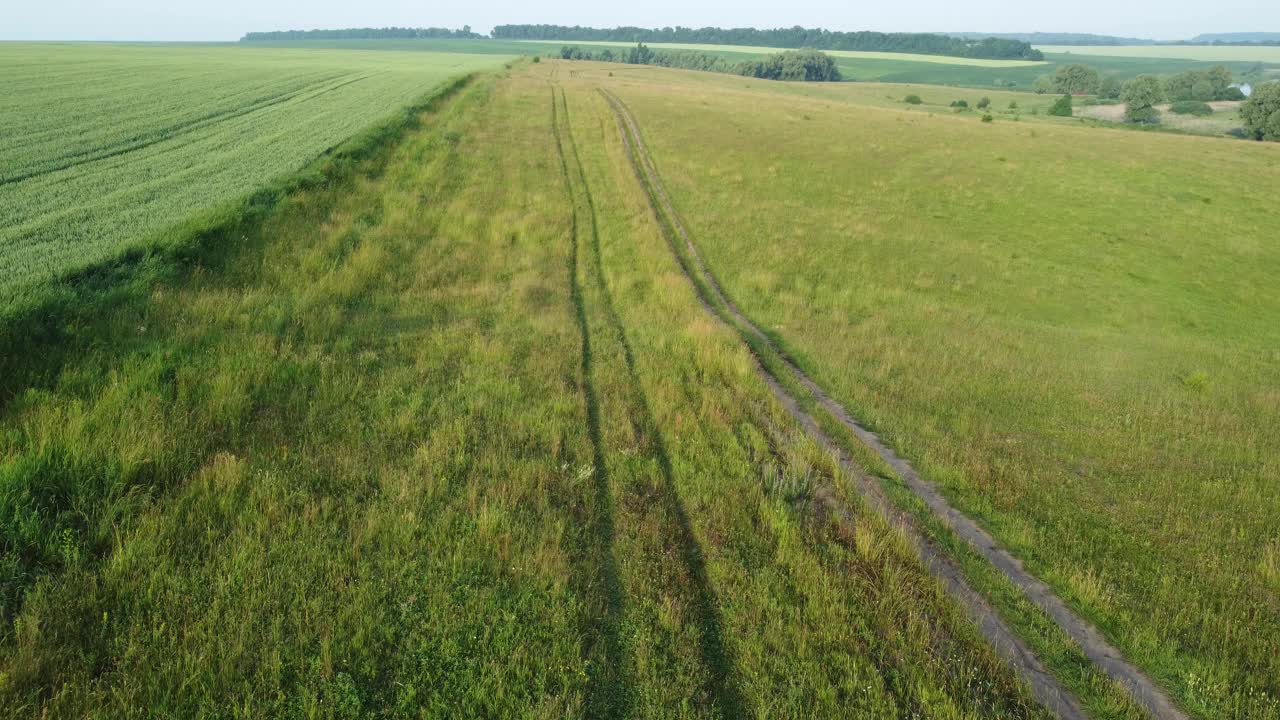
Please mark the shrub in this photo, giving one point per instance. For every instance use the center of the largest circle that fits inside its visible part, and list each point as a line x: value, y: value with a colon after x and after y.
x: 984, y: 103
x: 913, y: 100
x: 1013, y: 104
x: 1261, y: 112
x: 986, y: 117
x: 537, y: 58
x: 1191, y: 107
x: 1061, y: 107
x: 1147, y: 115
x: 960, y: 104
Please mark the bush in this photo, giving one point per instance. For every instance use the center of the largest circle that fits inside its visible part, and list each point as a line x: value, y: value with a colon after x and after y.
x: 1013, y: 104
x: 984, y: 103
x: 986, y: 117
x: 1233, y: 93
x: 913, y: 100
x: 1061, y: 107
x: 1191, y: 107
x: 960, y: 104
x: 537, y: 58
x: 1147, y: 115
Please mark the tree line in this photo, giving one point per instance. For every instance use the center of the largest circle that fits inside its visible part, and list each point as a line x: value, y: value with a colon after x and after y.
x: 1216, y: 83
x: 386, y: 33
x: 801, y: 65
x: 795, y: 37
x: 1188, y: 92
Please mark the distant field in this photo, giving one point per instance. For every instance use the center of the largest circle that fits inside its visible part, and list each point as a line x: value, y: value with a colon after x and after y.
x: 753, y: 49
x: 1069, y: 328
x: 1204, y: 53
x: 862, y: 67
x: 104, y: 146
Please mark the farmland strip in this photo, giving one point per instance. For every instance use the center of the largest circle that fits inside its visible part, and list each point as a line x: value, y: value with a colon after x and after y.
x: 174, y: 131
x: 1105, y: 656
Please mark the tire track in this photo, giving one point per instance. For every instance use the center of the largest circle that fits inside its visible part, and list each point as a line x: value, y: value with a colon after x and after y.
x: 608, y: 692
x: 715, y: 654
x: 1044, y: 686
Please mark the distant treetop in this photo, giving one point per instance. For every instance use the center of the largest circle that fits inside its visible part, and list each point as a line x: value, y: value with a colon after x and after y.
x: 387, y: 33
x: 1051, y: 38
x: 796, y: 37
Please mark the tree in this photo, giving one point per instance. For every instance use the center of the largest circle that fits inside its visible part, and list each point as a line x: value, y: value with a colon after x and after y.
x: 1219, y: 78
x: 807, y: 65
x: 639, y: 55
x: 1061, y: 107
x: 984, y: 103
x: 1261, y: 112
x: 1140, y: 96
x: 1180, y: 86
x: 1076, y: 80
x: 1212, y: 84
x: 1043, y: 84
x: 793, y: 37
x: 1110, y: 87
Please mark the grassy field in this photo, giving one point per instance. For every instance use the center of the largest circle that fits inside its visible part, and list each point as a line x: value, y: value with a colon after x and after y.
x: 1204, y: 53
x: 446, y: 433
x: 1068, y: 328
x: 434, y: 424
x: 1225, y: 119
x: 105, y: 147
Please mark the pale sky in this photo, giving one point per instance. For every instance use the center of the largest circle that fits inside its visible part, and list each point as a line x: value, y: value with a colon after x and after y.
x: 229, y: 19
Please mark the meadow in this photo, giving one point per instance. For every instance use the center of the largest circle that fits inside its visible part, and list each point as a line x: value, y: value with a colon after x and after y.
x: 106, y: 148
x: 433, y: 415
x: 446, y: 433
x: 1064, y: 327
